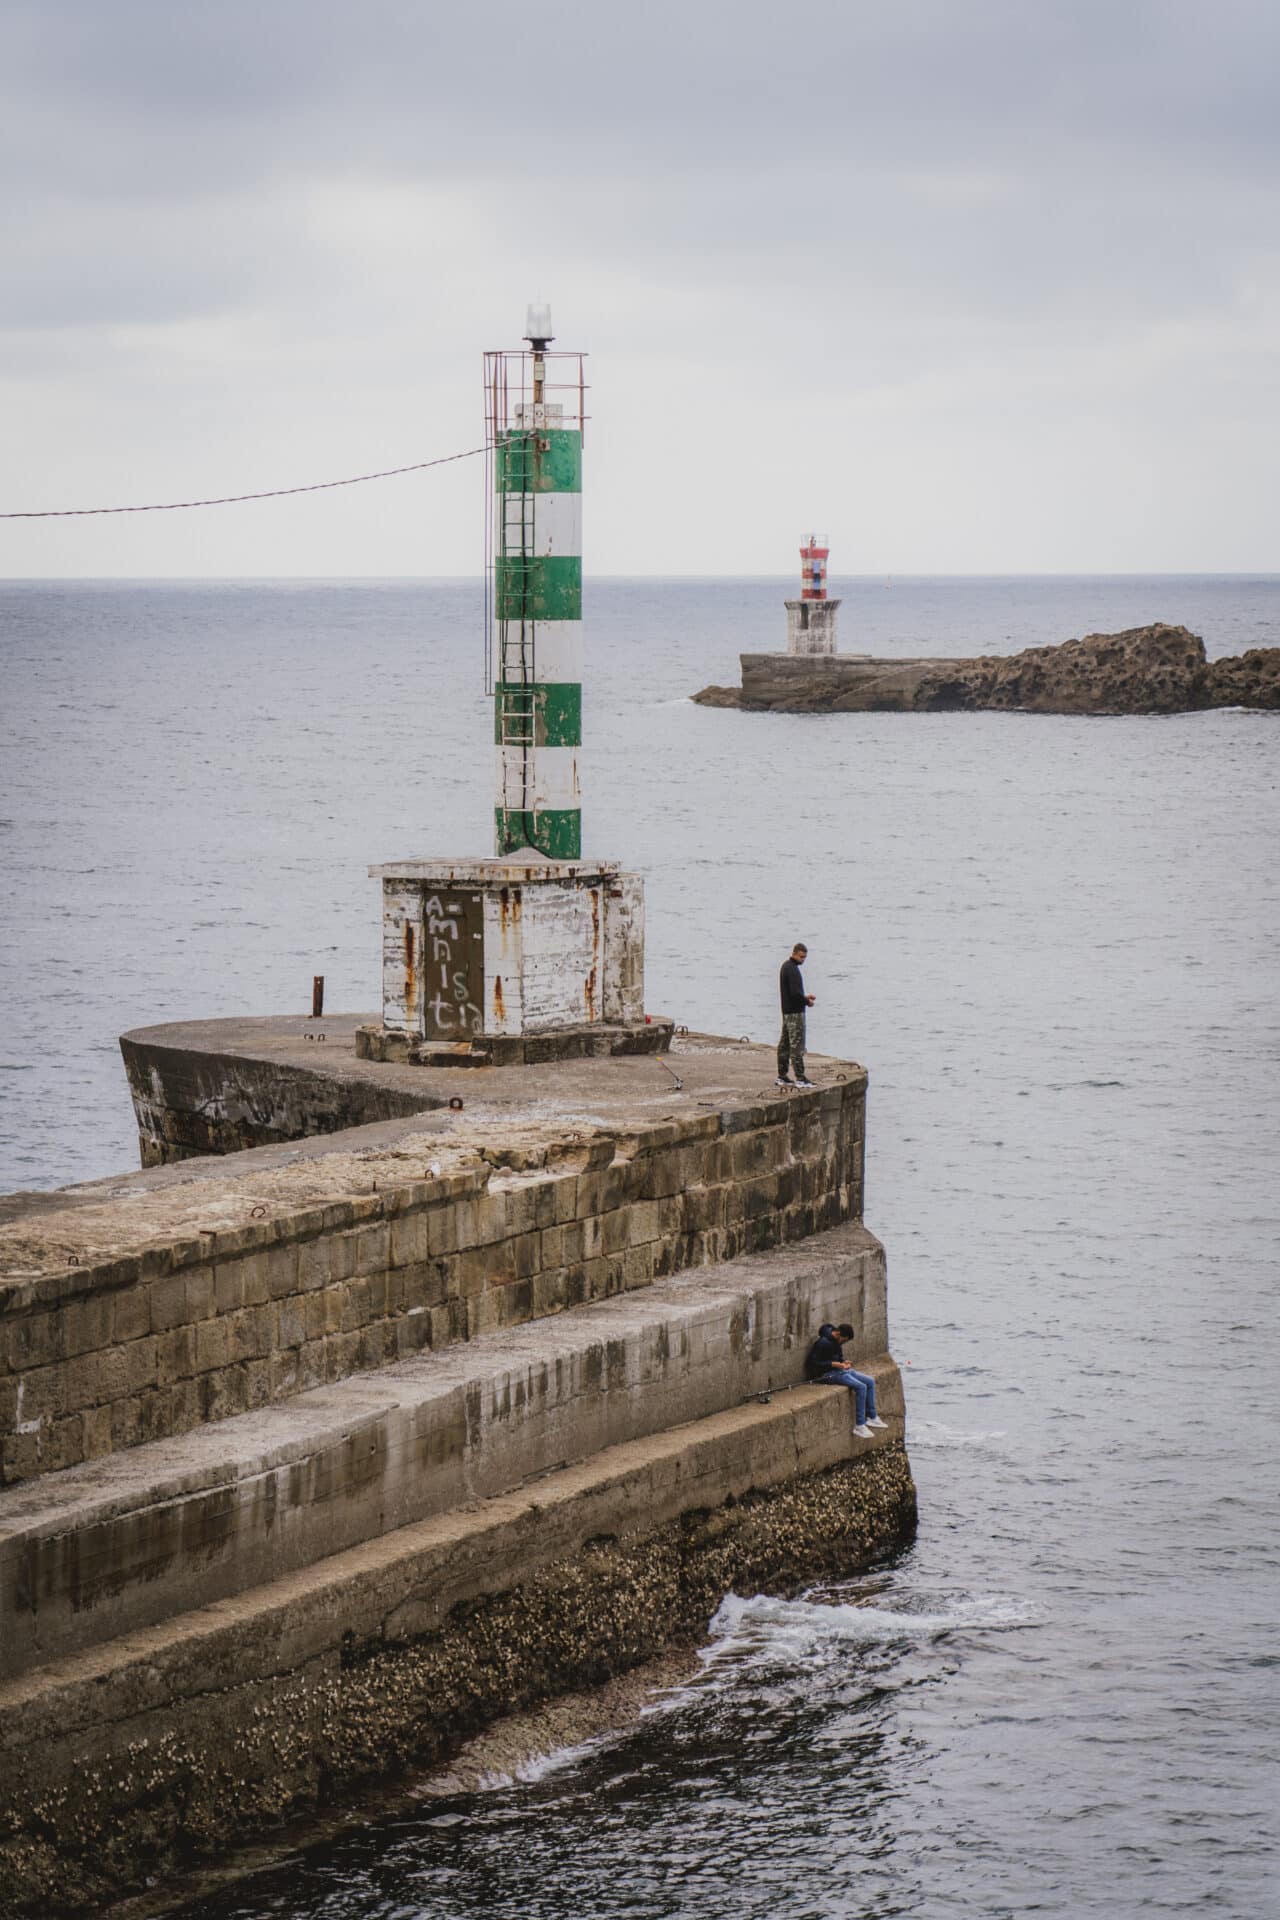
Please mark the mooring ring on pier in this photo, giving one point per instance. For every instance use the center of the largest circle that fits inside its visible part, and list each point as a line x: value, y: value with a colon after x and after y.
x: 257, y: 1213
x: 456, y: 1103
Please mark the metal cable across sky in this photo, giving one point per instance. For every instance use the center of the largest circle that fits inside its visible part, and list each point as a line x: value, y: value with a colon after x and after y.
x: 234, y: 499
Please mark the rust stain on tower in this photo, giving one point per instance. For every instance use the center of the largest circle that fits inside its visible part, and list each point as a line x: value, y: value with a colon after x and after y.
x: 589, y: 984
x: 410, y: 968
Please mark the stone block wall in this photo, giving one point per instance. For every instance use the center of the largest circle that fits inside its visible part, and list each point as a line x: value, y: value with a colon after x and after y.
x: 101, y: 1358
x: 133, y: 1760
x: 832, y: 682
x: 242, y: 1502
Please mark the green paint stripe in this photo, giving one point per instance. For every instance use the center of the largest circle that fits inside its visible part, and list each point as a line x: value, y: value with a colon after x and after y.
x: 557, y: 832
x: 541, y: 587
x: 557, y: 711
x: 546, y: 462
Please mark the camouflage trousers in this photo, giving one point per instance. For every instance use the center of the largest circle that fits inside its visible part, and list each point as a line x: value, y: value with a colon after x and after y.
x: 791, y: 1045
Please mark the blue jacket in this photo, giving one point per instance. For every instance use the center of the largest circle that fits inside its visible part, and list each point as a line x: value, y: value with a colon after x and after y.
x: 826, y: 1352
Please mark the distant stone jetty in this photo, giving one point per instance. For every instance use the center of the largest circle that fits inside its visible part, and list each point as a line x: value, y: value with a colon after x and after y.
x: 1155, y: 669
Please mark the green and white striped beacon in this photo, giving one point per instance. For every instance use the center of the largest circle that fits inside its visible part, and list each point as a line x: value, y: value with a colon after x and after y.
x: 536, y: 427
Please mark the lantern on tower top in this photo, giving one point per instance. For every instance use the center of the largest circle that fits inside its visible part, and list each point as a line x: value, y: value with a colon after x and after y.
x: 813, y: 570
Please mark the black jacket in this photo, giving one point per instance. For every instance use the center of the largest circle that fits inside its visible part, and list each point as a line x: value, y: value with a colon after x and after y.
x: 791, y: 981
x: 826, y: 1352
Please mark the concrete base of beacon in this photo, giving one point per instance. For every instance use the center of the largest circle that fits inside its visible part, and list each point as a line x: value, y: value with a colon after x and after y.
x: 811, y: 627
x: 320, y: 1456
x: 518, y: 958
x: 650, y: 1035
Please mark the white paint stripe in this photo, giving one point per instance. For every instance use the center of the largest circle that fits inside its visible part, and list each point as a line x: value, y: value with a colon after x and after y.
x: 556, y: 647
x: 551, y: 523
x: 554, y: 779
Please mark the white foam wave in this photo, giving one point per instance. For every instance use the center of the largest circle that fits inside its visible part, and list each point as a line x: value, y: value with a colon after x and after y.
x: 542, y: 1764
x: 538, y: 1766
x: 800, y: 1626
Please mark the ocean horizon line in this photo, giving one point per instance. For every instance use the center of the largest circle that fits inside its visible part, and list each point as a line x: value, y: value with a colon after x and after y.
x: 684, y: 579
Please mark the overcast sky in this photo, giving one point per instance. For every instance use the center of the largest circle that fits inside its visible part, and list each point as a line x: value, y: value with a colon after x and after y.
x: 967, y: 285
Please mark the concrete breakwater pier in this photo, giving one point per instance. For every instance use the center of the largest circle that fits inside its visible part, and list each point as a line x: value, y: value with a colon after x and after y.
x: 470, y: 1389
x: 1152, y: 669
x: 440, y: 1361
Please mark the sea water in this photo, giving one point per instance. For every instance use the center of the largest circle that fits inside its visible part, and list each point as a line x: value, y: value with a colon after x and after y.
x: 1052, y: 941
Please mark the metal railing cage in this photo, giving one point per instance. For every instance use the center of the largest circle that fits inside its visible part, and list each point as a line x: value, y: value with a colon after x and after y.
x: 527, y: 395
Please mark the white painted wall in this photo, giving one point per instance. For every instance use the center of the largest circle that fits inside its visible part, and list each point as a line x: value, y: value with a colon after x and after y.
x: 561, y: 949
x: 563, y: 970
x: 402, y: 956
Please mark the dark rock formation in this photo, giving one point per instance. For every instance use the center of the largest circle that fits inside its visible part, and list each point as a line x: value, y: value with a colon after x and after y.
x: 1155, y: 669
x: 719, y: 697
x: 1246, y: 679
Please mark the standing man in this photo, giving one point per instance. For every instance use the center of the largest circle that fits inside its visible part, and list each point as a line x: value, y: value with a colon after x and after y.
x: 794, y: 1002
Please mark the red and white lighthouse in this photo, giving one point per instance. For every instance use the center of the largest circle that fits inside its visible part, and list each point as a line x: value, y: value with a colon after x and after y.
x: 813, y: 570
x: 811, y: 620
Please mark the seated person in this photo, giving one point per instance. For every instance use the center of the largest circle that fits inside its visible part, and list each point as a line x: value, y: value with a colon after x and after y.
x: 825, y: 1366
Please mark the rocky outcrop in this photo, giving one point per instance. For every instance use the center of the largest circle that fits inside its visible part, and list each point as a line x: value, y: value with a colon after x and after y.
x: 1154, y: 669
x: 1246, y: 679
x: 719, y: 697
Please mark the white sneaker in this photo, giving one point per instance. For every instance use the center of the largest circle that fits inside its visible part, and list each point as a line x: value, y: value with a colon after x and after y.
x: 862, y: 1433
x: 804, y: 1083
x: 874, y: 1422
x: 784, y: 1083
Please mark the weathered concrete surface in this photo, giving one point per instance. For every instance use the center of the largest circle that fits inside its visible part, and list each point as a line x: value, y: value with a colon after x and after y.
x: 505, y: 1050
x: 203, y: 1086
x: 122, y: 1542
x: 170, y: 1743
x: 811, y: 626
x: 192, y: 1099
x: 267, y: 1581
x: 507, y: 948
x: 203, y: 1292
x: 1153, y: 669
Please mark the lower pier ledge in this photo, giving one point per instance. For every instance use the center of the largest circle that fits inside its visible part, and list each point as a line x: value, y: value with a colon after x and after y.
x: 320, y: 1458
x: 141, y: 1759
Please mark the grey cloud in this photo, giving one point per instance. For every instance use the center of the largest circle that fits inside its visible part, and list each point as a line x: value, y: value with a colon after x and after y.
x: 150, y: 93
x: 887, y: 207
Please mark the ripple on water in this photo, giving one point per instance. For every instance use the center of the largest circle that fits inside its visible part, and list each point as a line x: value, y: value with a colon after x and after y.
x: 1055, y: 934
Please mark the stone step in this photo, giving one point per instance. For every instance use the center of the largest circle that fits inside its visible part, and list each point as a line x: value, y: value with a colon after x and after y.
x: 121, y: 1543
x: 183, y: 1738
x: 137, y: 1309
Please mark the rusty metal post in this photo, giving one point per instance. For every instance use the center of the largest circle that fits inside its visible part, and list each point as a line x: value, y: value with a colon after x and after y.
x: 317, y: 996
